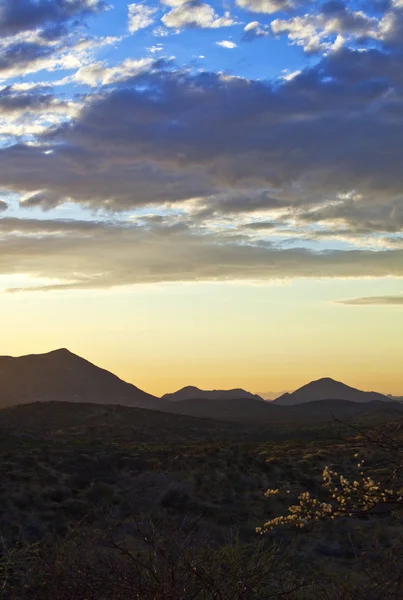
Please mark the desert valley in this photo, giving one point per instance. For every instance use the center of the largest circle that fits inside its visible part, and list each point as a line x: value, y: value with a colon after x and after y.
x: 108, y: 492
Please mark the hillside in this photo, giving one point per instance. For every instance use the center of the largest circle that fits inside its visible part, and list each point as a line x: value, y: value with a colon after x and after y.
x: 63, y: 376
x: 240, y: 410
x: 328, y: 389
x: 82, y: 483
x: 191, y: 392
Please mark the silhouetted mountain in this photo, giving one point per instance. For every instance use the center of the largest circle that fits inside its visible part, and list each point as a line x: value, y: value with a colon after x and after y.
x: 63, y: 376
x: 191, y: 392
x: 328, y: 389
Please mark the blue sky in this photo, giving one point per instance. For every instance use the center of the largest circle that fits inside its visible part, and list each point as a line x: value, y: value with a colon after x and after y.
x: 187, y: 142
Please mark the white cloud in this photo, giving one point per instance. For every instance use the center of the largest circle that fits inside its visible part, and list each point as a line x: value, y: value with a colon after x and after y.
x: 156, y: 48
x: 22, y: 55
x: 198, y: 15
x: 226, y: 44
x: 140, y: 17
x: 289, y: 75
x: 253, y: 31
x: 98, y: 73
x: 266, y: 6
x: 327, y: 31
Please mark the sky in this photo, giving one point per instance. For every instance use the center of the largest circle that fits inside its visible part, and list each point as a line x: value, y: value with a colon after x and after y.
x: 207, y: 194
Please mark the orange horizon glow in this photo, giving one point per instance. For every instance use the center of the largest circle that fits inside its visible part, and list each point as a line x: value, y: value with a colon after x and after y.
x: 264, y: 338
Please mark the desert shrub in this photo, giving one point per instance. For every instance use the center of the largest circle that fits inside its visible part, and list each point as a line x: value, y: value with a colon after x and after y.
x: 148, y: 565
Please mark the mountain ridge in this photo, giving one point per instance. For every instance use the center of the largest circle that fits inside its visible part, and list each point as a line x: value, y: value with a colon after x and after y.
x: 61, y: 375
x: 191, y: 392
x: 327, y: 388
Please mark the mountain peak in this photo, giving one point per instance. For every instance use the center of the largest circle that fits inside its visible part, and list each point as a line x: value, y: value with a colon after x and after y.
x: 62, y: 352
x: 327, y: 388
x: 62, y: 375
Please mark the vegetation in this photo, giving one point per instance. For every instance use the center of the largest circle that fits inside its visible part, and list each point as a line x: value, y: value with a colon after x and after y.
x: 106, y: 503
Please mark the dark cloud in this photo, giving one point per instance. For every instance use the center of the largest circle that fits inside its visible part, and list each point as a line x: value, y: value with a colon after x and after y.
x: 19, y: 55
x: 3, y: 206
x: 360, y: 216
x: 235, y: 202
x: 261, y: 225
x: 12, y: 102
x: 37, y: 34
x: 14, y: 225
x: 321, y: 150
x: 94, y: 178
x: 374, y: 300
x: 82, y: 255
x: 168, y: 136
x: 24, y: 15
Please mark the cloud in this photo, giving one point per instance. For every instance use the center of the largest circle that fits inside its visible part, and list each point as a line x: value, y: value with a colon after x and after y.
x: 14, y: 102
x: 20, y: 56
x: 336, y: 25
x: 31, y: 52
x: 268, y: 6
x: 82, y: 255
x: 226, y: 44
x: 358, y: 215
x: 260, y: 225
x: 253, y: 31
x: 324, y: 144
x: 195, y: 14
x: 240, y: 171
x: 237, y: 201
x: 317, y: 155
x: 140, y: 16
x: 156, y: 48
x: 24, y: 15
x: 3, y: 206
x: 99, y: 73
x: 374, y: 300
x: 24, y: 114
x: 47, y: 35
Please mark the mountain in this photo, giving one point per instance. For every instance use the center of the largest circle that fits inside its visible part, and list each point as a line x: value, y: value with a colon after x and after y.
x: 191, y: 392
x: 328, y: 389
x: 63, y: 376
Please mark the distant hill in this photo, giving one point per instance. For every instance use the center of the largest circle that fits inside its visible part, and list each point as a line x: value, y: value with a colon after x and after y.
x: 63, y: 376
x: 328, y: 389
x: 241, y: 410
x: 191, y: 392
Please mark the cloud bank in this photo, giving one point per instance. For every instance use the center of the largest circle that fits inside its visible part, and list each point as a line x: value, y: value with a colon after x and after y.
x: 239, y: 178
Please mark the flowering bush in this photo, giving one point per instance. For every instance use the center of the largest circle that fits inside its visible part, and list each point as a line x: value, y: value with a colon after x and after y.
x: 346, y: 498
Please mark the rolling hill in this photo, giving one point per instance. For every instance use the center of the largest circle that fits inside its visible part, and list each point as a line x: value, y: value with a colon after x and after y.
x: 240, y: 410
x: 63, y: 376
x: 328, y: 389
